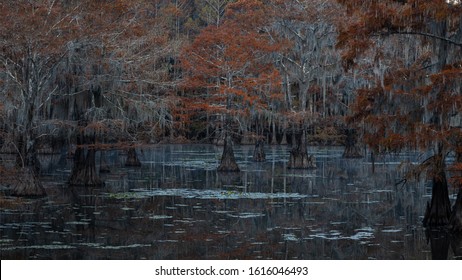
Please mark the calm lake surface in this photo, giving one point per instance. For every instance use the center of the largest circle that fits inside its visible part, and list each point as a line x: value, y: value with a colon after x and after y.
x: 176, y: 206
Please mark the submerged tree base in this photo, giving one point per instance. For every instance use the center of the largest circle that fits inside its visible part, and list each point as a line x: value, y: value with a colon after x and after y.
x: 352, y: 149
x: 299, y: 158
x: 27, y: 183
x: 84, y: 169
x: 132, y: 158
x: 351, y: 144
x: 438, y: 210
x: 352, y: 152
x: 259, y: 153
x: 228, y: 162
x: 301, y: 161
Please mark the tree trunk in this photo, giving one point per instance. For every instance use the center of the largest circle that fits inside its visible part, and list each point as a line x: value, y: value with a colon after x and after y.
x: 352, y: 149
x: 299, y: 158
x: 284, y: 134
x: 27, y: 183
x: 438, y: 210
x: 455, y: 221
x: 132, y: 158
x: 259, y: 153
x: 274, y: 140
x: 84, y: 169
x: 284, y: 138
x: 294, y: 138
x: 228, y: 162
x: 220, y: 133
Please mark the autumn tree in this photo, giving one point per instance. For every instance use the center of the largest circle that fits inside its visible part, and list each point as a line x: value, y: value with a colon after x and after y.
x: 310, y: 69
x: 83, y: 70
x: 132, y: 75
x: 229, y: 69
x: 414, y: 98
x: 212, y: 12
x: 33, y: 38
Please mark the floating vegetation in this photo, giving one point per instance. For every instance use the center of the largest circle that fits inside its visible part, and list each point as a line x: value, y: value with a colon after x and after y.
x: 362, y: 235
x: 77, y: 223
x: 222, y: 212
x: 123, y: 195
x: 194, y: 164
x: 325, y: 236
x: 392, y: 230
x: 370, y: 201
x: 160, y: 217
x: 210, y: 194
x: 44, y: 247
x: 131, y: 246
x: 246, y: 215
x: 290, y: 237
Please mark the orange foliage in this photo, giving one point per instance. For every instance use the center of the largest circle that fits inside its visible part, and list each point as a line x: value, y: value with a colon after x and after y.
x: 414, y: 99
x: 228, y: 67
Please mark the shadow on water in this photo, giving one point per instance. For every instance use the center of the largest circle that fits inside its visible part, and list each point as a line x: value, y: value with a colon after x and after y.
x: 176, y: 206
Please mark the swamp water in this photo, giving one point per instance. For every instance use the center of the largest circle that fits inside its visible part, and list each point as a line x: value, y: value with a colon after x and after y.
x: 176, y: 206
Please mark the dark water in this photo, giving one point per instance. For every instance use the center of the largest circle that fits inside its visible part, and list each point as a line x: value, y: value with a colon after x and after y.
x: 176, y: 206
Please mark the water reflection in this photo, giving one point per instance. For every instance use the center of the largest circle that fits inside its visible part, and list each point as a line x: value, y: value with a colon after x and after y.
x: 176, y: 206
x: 441, y: 240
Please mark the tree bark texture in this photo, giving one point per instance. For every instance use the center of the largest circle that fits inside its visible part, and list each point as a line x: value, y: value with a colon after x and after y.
x: 132, y: 158
x: 228, y: 162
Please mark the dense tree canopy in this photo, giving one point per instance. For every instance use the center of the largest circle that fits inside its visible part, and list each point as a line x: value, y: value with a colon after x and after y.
x: 412, y: 98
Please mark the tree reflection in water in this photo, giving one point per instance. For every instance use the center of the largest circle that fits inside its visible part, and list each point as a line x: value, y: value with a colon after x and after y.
x: 176, y: 206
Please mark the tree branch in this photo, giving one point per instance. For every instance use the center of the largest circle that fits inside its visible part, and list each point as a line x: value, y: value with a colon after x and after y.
x: 425, y: 34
